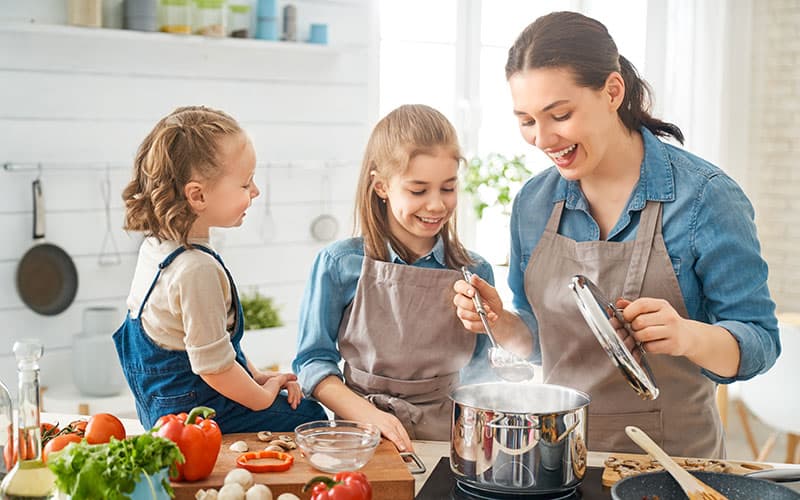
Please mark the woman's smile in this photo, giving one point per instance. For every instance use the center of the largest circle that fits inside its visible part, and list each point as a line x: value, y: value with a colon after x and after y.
x: 564, y: 157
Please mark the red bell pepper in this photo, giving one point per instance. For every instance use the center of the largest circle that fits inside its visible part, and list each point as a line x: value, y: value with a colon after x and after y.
x: 197, y: 436
x: 343, y: 486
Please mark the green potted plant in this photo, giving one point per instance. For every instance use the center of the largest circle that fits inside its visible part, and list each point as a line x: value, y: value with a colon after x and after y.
x: 493, y: 180
x: 259, y: 311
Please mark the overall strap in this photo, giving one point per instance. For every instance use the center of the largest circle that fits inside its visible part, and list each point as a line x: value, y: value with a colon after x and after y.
x: 171, y: 257
x: 234, y: 292
x: 164, y: 263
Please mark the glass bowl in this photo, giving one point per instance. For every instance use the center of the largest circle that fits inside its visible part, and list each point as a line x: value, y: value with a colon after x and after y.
x: 337, y: 445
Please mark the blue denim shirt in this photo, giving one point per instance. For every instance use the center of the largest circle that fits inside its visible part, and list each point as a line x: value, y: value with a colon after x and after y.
x: 331, y: 288
x: 710, y: 235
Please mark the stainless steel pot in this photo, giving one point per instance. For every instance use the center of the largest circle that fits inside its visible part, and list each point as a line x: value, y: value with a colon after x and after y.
x: 519, y: 438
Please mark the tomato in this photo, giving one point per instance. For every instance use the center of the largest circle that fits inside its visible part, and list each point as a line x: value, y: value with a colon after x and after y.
x: 59, y: 443
x: 102, y: 426
x: 77, y: 426
x: 49, y: 431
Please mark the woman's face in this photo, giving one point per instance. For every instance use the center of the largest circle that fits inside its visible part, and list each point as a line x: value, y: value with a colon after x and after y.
x: 573, y: 125
x: 422, y: 199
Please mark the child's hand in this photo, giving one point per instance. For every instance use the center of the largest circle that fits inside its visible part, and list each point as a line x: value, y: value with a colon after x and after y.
x: 391, y: 428
x: 465, y: 306
x: 294, y: 393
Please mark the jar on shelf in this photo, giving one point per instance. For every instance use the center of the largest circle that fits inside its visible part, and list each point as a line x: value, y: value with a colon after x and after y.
x: 240, y: 19
x: 175, y: 16
x: 209, y: 17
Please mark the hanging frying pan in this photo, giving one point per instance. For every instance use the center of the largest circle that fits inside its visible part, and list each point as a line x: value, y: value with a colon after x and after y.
x: 47, y: 279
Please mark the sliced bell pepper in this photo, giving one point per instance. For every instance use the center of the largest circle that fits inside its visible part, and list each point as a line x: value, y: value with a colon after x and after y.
x: 197, y: 436
x: 343, y: 486
x: 244, y: 459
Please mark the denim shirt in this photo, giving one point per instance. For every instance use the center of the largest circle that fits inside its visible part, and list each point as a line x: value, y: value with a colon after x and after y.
x: 709, y: 231
x: 331, y: 288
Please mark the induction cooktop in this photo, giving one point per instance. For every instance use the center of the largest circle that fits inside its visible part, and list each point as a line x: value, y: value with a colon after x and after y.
x: 442, y: 485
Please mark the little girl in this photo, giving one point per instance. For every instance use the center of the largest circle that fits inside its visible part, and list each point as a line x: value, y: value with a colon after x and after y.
x: 180, y: 343
x: 382, y: 301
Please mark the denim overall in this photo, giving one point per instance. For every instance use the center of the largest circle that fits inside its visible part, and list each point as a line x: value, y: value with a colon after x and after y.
x: 162, y: 380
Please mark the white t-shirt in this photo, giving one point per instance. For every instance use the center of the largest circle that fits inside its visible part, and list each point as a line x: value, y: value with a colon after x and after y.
x: 190, y: 308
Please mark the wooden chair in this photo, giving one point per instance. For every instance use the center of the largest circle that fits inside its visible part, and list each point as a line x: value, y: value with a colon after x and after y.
x: 774, y: 399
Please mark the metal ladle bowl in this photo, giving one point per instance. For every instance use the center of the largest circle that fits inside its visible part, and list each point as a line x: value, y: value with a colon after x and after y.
x: 505, y: 363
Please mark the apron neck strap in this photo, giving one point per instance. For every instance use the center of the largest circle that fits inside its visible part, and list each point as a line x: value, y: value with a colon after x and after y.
x: 555, y: 218
x: 649, y: 226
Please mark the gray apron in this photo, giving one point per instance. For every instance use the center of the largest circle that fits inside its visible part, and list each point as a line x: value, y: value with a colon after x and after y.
x: 684, y: 419
x: 403, y: 344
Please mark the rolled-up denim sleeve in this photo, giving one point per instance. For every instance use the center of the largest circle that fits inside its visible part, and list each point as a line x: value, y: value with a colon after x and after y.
x: 734, y: 276
x: 320, y: 314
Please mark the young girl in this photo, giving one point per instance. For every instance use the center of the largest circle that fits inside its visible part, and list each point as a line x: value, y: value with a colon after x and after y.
x: 645, y: 220
x: 179, y: 345
x: 382, y: 301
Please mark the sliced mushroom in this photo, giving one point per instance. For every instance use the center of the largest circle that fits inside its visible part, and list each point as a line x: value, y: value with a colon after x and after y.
x: 209, y: 494
x: 283, y: 444
x: 239, y: 446
x: 264, y: 436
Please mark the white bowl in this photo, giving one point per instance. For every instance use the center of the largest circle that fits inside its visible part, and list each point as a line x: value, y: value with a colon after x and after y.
x: 337, y: 445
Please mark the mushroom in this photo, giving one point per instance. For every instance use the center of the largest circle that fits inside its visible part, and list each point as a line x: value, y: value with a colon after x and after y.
x: 209, y: 494
x: 288, y: 496
x: 264, y: 436
x: 231, y: 491
x: 239, y: 446
x: 258, y: 492
x: 241, y: 477
x: 283, y: 444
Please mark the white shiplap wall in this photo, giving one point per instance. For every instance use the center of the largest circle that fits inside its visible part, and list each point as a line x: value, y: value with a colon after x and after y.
x: 79, y: 101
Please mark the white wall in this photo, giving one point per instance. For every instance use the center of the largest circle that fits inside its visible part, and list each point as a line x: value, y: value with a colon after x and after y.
x: 774, y: 124
x: 80, y: 100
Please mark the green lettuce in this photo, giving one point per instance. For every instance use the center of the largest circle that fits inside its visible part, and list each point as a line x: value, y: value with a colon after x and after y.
x: 111, y: 470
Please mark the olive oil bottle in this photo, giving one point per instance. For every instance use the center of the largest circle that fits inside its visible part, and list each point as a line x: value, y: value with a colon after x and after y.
x: 29, y: 479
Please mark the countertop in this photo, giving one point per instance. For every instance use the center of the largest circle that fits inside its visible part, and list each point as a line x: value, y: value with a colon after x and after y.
x: 428, y: 451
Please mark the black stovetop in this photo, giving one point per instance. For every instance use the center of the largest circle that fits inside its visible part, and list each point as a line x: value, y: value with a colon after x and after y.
x: 442, y: 485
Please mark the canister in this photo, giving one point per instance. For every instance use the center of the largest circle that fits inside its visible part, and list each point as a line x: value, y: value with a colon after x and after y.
x: 209, y: 17
x: 240, y: 19
x: 175, y: 16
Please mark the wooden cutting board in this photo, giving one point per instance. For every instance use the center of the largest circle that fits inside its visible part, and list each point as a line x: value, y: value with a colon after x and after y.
x: 386, y: 471
x: 611, y: 473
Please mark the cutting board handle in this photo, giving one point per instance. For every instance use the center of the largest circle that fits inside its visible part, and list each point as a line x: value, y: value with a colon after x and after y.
x: 413, y: 462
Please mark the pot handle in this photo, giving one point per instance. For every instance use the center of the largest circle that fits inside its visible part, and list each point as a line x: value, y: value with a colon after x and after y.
x: 533, y: 423
x: 418, y: 465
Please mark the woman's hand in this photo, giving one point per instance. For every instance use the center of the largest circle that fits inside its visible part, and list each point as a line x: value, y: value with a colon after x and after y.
x: 465, y: 307
x: 658, y: 326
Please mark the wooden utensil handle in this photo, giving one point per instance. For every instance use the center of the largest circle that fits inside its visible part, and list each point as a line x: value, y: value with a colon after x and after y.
x: 687, y: 481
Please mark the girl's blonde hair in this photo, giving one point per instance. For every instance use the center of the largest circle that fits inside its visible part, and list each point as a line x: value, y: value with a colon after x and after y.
x: 404, y: 133
x: 183, y: 146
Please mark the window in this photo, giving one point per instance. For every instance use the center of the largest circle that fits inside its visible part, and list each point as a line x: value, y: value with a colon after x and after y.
x: 443, y: 65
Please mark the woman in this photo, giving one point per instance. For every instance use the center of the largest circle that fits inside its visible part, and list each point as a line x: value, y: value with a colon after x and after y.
x: 667, y: 232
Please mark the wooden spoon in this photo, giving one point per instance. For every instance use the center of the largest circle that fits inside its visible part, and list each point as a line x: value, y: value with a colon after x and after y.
x: 693, y: 487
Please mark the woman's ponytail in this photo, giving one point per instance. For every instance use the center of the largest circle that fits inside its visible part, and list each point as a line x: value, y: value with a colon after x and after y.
x: 635, y: 109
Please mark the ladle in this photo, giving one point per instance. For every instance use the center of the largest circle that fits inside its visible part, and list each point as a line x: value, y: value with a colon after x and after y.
x: 505, y: 363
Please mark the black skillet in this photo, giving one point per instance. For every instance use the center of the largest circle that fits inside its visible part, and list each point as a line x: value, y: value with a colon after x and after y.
x: 47, y: 279
x: 662, y: 486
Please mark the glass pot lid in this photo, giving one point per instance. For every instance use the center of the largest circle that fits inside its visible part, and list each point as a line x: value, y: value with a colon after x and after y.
x: 598, y: 312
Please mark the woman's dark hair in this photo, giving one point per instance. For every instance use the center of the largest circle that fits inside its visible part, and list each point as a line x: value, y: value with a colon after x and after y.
x: 582, y: 44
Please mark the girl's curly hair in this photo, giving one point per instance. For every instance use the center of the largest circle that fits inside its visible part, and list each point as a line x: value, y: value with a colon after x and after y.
x: 182, y: 146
